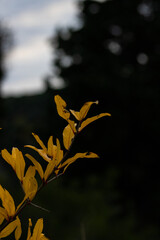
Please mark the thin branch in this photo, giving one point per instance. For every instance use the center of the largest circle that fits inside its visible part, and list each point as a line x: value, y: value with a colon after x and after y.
x: 50, y: 180
x: 37, y: 206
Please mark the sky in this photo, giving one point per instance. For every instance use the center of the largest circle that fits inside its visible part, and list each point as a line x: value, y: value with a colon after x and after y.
x: 32, y: 23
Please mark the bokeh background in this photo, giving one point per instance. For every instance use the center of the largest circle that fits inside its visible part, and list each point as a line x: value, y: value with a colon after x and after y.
x: 107, y: 51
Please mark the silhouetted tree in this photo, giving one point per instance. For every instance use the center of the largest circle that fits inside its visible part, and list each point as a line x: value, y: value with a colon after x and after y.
x: 114, y: 56
x: 6, y: 42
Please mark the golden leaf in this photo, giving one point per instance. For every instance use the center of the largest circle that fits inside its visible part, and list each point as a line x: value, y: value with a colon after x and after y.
x: 38, y: 229
x: 18, y: 230
x: 85, y: 108
x: 41, y: 152
x: 8, y: 158
x: 40, y: 142
x: 16, y: 160
x: 19, y: 163
x: 92, y: 119
x: 59, y: 154
x: 29, y: 229
x: 9, y: 229
x: 36, y: 164
x: 61, y: 107
x: 7, y: 201
x: 83, y: 111
x: 68, y: 135
x: 76, y: 156
x: 3, y: 215
x: 75, y: 114
x: 49, y: 169
x: 51, y: 148
x: 72, y: 125
x: 30, y: 184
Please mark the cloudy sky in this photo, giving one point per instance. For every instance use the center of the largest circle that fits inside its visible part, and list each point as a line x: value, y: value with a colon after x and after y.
x: 32, y: 23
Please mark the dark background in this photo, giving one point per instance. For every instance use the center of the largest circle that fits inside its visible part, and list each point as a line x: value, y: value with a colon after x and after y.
x: 113, y: 57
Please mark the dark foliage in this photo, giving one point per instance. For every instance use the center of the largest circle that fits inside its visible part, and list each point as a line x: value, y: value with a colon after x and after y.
x: 114, y: 57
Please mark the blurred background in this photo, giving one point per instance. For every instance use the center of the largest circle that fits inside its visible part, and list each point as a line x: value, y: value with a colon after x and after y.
x: 87, y: 50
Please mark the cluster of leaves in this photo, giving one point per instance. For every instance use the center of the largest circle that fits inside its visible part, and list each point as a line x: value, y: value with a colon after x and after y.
x: 57, y: 163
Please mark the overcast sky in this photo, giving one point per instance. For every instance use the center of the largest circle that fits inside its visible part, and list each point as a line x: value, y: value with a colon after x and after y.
x: 32, y: 23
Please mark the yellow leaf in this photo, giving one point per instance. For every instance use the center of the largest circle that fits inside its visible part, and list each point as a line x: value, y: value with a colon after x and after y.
x: 40, y: 142
x: 76, y: 156
x: 38, y: 229
x: 68, y: 135
x: 43, y: 237
x: 8, y: 158
x: 41, y: 152
x: 49, y: 169
x: 29, y: 229
x: 59, y: 154
x: 72, y: 125
x: 9, y: 229
x: 3, y: 215
x: 19, y: 163
x: 30, y: 184
x: 61, y: 107
x: 16, y: 160
x: 18, y: 230
x: 92, y: 119
x: 7, y: 201
x: 51, y: 149
x: 84, y: 110
x: 1, y: 219
x: 75, y: 114
x: 21, y: 203
x: 36, y: 164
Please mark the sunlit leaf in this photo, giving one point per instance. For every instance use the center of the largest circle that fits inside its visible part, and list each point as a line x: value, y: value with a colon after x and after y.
x: 72, y: 125
x: 41, y: 152
x: 77, y: 156
x: 3, y: 212
x: 21, y: 203
x: 38, y: 229
x: 8, y: 158
x: 1, y: 193
x: 18, y: 230
x: 40, y: 142
x: 30, y: 184
x: 7, y: 201
x: 85, y: 108
x: 16, y: 160
x: 51, y: 147
x: 19, y: 163
x: 9, y: 229
x: 92, y: 119
x: 43, y: 237
x: 59, y: 154
x: 29, y: 229
x: 68, y: 135
x: 36, y: 164
x: 75, y: 114
x: 3, y: 215
x: 61, y: 107
x: 49, y: 169
x: 1, y: 219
